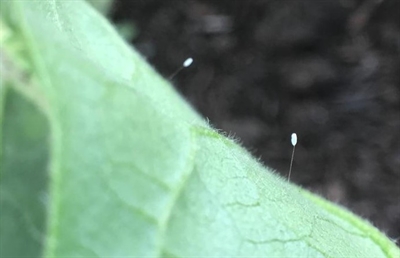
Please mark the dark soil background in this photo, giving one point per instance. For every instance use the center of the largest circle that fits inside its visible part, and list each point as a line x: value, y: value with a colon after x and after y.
x: 328, y: 70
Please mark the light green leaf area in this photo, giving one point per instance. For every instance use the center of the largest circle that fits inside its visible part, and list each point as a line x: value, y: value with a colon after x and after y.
x: 133, y: 170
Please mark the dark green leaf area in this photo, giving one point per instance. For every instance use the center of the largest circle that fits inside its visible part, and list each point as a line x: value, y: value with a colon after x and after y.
x: 23, y: 178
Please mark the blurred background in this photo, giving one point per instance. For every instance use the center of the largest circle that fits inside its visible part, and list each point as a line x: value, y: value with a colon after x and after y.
x: 328, y: 70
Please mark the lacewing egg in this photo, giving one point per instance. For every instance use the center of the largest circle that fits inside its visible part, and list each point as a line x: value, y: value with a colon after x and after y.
x: 294, y: 139
x: 188, y: 62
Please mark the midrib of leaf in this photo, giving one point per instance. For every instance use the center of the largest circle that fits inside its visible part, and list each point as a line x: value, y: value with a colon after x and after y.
x: 55, y: 124
x: 56, y: 133
x: 56, y: 173
x: 20, y: 76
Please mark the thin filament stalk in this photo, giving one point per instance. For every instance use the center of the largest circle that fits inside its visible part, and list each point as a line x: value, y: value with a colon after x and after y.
x: 291, y: 163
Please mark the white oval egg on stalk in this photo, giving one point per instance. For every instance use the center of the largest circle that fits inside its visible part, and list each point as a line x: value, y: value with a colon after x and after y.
x: 293, y: 139
x: 188, y: 62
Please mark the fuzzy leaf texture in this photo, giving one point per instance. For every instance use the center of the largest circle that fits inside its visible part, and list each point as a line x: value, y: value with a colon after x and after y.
x: 102, y: 158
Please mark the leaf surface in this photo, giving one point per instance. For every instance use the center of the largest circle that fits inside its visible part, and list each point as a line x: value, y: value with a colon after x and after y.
x: 135, y: 172
x: 23, y: 178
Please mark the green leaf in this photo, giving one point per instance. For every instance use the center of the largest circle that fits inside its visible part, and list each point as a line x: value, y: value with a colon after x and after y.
x: 23, y: 178
x: 133, y: 170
